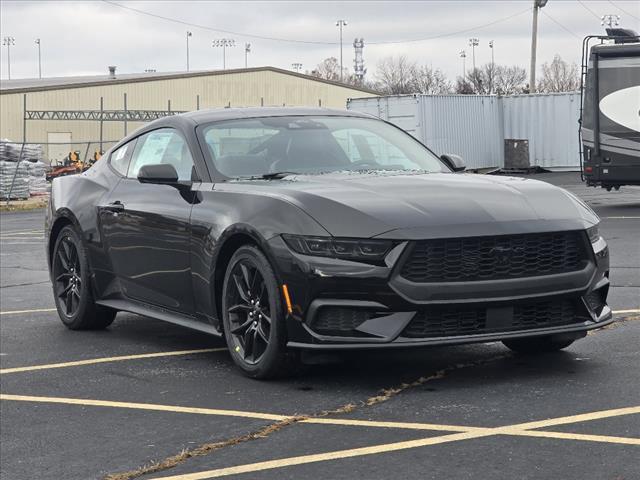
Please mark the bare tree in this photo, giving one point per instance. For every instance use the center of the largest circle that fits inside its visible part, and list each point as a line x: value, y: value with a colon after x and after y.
x: 510, y: 80
x: 394, y: 75
x: 429, y: 81
x: 328, y: 69
x: 463, y: 86
x: 559, y: 76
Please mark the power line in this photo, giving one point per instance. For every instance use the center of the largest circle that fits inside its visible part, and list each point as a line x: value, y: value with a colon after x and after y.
x: 589, y: 10
x: 561, y: 25
x: 311, y: 42
x: 623, y: 11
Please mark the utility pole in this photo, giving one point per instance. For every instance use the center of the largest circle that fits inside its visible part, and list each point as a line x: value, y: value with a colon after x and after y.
x: 341, y: 23
x: 39, y: 59
x: 473, y: 43
x: 247, y: 51
x: 537, y: 4
x: 188, y: 35
x: 8, y: 41
x: 297, y: 67
x: 224, y: 43
x: 610, y: 20
x: 463, y: 56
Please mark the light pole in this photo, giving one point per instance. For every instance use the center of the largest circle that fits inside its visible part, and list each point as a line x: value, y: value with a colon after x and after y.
x: 341, y: 23
x: 493, y: 73
x: 8, y: 41
x: 224, y: 43
x: 297, y: 67
x: 188, y: 35
x: 537, y: 5
x: 463, y: 56
x: 473, y: 43
x: 610, y: 20
x: 247, y: 51
x: 39, y: 59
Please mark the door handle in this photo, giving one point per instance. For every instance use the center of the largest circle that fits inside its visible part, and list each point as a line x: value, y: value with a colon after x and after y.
x: 115, y: 207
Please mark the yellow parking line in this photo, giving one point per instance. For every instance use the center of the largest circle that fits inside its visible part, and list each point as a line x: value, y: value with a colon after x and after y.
x: 583, y: 417
x: 323, y: 457
x: 34, y: 310
x: 576, y: 436
x: 143, y: 406
x: 633, y: 310
x: 122, y: 358
x: 399, y: 425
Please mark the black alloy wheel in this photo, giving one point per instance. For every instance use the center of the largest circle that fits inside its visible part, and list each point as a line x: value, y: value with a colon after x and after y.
x: 67, y: 273
x: 253, y: 316
x: 248, y: 311
x: 71, y: 286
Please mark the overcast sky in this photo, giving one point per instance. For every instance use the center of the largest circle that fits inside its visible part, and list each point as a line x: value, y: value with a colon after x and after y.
x: 85, y: 37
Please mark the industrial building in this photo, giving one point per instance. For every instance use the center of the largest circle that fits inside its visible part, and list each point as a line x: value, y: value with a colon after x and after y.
x: 66, y: 111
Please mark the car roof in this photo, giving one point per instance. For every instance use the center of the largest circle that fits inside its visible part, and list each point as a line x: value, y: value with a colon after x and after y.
x: 217, y: 114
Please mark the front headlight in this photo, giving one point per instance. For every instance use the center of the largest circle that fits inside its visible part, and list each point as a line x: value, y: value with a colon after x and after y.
x: 347, y: 248
x: 593, y: 233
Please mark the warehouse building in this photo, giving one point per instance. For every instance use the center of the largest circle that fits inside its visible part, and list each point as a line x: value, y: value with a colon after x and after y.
x: 67, y: 111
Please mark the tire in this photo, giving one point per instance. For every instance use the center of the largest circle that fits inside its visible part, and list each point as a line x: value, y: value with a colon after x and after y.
x: 255, y: 332
x: 537, y: 344
x: 71, y: 281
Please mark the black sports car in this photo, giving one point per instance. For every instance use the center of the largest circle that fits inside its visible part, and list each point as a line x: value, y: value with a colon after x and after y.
x: 287, y: 229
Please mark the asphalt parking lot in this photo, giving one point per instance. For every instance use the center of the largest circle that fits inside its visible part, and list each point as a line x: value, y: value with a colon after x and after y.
x: 145, y: 399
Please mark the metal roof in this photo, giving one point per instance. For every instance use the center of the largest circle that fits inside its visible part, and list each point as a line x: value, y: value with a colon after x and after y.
x: 24, y: 85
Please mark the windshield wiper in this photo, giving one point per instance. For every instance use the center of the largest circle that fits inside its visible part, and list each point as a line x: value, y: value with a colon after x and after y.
x: 273, y: 175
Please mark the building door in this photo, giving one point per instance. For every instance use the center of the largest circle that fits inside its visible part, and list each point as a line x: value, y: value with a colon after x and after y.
x: 57, y: 153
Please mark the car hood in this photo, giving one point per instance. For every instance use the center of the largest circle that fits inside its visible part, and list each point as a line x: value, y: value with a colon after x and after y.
x: 430, y: 205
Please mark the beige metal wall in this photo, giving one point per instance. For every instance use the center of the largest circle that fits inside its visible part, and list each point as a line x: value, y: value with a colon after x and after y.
x: 239, y: 89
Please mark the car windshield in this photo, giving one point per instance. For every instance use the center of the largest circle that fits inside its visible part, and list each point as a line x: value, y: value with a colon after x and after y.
x: 313, y: 144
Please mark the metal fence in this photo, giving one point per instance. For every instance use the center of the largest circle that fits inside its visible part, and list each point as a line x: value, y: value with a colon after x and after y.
x: 475, y: 126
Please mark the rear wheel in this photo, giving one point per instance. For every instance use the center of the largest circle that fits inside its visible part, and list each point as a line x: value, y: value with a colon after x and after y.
x: 253, y: 316
x: 538, y: 344
x: 71, y: 288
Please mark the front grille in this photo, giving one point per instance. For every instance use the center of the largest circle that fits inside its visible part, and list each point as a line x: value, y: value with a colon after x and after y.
x: 451, y: 322
x: 494, y: 258
x: 340, y: 321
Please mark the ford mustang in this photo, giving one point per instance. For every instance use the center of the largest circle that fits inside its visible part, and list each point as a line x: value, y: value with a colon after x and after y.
x: 288, y: 229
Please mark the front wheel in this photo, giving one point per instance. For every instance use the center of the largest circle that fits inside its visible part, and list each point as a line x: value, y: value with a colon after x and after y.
x: 70, y: 277
x: 537, y: 344
x: 253, y: 316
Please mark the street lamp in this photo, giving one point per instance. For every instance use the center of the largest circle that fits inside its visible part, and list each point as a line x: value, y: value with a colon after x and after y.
x: 463, y: 56
x: 537, y: 5
x: 341, y: 23
x: 610, y: 20
x: 247, y: 51
x: 224, y: 43
x: 188, y: 35
x: 297, y: 67
x: 473, y: 43
x: 39, y: 59
x: 8, y: 41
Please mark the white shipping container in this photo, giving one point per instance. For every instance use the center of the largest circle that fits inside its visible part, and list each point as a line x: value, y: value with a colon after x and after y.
x: 475, y: 126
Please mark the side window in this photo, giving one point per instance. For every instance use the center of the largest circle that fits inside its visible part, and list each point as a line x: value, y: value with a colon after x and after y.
x: 120, y: 158
x: 162, y: 146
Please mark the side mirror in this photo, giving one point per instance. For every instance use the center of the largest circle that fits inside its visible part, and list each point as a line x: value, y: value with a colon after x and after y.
x: 161, y: 173
x: 454, y: 162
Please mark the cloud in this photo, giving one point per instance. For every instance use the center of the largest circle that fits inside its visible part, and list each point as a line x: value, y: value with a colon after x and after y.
x: 85, y: 37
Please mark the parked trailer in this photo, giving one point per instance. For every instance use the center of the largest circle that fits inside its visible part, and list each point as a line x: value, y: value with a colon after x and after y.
x: 610, y: 121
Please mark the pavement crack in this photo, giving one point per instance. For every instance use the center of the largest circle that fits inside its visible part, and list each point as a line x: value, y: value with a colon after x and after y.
x: 383, y: 395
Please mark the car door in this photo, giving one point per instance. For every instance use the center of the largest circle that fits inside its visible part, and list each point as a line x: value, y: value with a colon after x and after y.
x: 146, y: 226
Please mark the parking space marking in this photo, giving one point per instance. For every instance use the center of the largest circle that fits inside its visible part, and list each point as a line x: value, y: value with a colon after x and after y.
x: 34, y: 310
x: 122, y: 358
x: 21, y: 232
x: 633, y: 310
x: 143, y: 406
x: 576, y: 436
x: 398, y: 425
x: 582, y: 417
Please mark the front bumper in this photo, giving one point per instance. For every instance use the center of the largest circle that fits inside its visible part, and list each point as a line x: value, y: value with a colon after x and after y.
x: 383, y: 308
